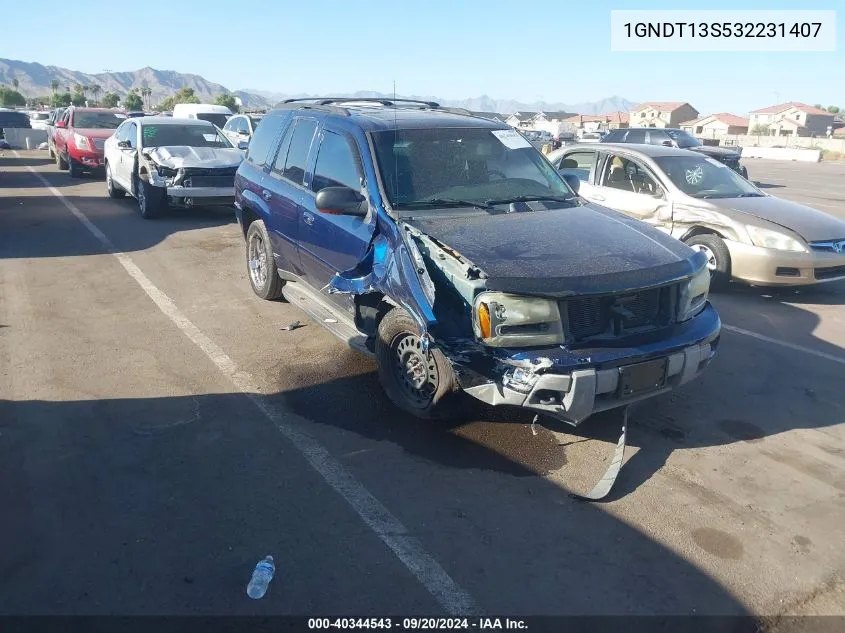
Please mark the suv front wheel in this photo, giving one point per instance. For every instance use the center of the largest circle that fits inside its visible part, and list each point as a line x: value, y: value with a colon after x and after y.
x: 423, y: 384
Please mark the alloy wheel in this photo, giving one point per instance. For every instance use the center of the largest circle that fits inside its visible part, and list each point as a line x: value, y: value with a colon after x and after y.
x: 712, y: 265
x: 257, y: 261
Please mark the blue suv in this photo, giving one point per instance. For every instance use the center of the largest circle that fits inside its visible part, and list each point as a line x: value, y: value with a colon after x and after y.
x: 450, y: 248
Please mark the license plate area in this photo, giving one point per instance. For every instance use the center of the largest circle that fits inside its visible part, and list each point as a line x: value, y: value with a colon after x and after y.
x: 642, y: 378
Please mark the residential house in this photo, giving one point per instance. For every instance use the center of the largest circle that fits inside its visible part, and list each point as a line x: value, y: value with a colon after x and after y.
x: 716, y: 125
x: 598, y: 122
x: 521, y: 120
x: 661, y: 114
x: 791, y: 119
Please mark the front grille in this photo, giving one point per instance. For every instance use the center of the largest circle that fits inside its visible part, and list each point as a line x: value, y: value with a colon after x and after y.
x: 210, y: 181
x: 210, y: 171
x: 616, y: 315
x: 99, y: 143
x: 830, y: 246
x: 830, y: 272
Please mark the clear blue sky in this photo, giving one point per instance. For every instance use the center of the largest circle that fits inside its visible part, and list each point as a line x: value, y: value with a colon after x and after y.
x: 555, y: 50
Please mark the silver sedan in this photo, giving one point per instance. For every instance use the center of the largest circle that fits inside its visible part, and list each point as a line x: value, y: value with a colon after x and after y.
x: 745, y: 233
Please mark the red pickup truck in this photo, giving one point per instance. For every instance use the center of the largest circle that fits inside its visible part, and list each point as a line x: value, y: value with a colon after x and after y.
x: 80, y: 135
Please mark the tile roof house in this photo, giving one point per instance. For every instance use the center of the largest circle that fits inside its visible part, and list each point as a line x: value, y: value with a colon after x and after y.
x: 521, y: 119
x: 791, y: 119
x: 595, y: 122
x: 716, y: 125
x: 661, y: 114
x: 493, y: 116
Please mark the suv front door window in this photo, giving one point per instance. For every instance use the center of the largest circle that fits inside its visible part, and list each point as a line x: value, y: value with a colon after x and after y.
x: 333, y: 243
x: 629, y: 186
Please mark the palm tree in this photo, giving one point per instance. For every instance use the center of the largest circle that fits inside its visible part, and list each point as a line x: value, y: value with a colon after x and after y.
x: 95, y: 90
x: 54, y: 85
x: 15, y: 83
x: 85, y: 88
x: 147, y: 92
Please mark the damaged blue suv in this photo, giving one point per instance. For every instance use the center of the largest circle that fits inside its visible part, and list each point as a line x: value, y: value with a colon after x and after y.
x: 450, y: 248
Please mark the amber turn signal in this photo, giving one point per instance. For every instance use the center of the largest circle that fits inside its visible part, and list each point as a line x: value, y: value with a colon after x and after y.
x: 484, y: 320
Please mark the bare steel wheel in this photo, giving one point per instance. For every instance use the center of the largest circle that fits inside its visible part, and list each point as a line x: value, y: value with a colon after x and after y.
x: 419, y: 382
x: 416, y: 371
x: 261, y: 266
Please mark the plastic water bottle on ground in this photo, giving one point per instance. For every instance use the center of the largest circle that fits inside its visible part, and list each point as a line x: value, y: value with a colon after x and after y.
x: 261, y: 578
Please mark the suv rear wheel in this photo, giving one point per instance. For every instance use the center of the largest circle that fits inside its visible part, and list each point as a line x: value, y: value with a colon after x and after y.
x: 423, y: 384
x: 718, y: 258
x: 261, y: 265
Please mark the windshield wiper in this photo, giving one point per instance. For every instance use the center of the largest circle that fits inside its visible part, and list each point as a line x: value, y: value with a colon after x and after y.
x: 750, y: 194
x: 442, y: 202
x: 531, y: 199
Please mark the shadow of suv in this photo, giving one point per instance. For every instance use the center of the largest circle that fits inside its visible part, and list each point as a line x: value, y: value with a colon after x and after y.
x: 448, y: 247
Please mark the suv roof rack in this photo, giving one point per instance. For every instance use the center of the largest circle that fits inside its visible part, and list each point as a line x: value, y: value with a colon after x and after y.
x: 323, y: 101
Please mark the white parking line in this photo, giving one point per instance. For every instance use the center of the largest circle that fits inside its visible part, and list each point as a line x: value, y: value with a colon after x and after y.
x: 792, y: 346
x: 387, y: 527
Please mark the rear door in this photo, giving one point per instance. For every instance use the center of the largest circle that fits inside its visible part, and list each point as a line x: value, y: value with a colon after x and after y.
x: 285, y: 191
x: 630, y: 186
x: 333, y: 243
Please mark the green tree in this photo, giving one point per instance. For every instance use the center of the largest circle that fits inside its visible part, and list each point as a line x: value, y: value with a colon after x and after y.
x: 819, y: 106
x: 132, y: 101
x: 95, y: 91
x: 183, y: 95
x: 9, y: 97
x: 760, y: 130
x: 78, y: 99
x: 110, y: 100
x: 833, y: 109
x: 54, y: 86
x: 227, y: 100
x: 60, y: 100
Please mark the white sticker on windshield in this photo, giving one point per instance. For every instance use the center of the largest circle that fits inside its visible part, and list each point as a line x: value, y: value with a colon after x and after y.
x: 511, y: 139
x: 715, y: 162
x: 118, y: 115
x: 210, y: 137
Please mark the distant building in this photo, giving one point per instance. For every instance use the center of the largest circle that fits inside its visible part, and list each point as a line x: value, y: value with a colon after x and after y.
x: 661, y: 114
x: 598, y: 122
x: 791, y: 119
x: 493, y: 116
x: 521, y: 120
x: 716, y: 125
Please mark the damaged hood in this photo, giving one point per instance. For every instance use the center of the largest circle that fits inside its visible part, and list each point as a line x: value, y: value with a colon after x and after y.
x: 177, y: 156
x: 581, y: 250
x: 811, y: 224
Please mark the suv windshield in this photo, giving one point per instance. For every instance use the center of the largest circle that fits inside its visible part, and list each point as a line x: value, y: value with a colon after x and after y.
x: 683, y: 139
x: 702, y: 177
x: 217, y: 118
x: 97, y: 120
x: 190, y: 135
x: 437, y: 166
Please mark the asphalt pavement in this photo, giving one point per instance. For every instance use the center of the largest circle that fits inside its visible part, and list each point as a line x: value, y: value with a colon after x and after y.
x: 160, y: 433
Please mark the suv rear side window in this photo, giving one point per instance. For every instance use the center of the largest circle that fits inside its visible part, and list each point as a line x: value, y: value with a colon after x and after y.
x: 262, y: 142
x: 300, y: 143
x: 337, y: 164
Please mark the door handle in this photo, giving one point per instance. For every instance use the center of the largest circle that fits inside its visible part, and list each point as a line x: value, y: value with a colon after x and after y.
x: 308, y: 218
x: 596, y: 198
x: 266, y: 194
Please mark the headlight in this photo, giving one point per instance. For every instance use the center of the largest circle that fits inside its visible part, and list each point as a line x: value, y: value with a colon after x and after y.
x: 504, y: 320
x: 694, y: 295
x: 767, y: 238
x: 167, y: 172
x: 81, y: 142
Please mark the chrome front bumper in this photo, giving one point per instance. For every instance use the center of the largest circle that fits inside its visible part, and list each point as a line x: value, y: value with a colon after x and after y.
x: 586, y: 391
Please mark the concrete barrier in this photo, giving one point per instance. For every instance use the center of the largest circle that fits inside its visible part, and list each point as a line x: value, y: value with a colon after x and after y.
x: 783, y: 153
x: 17, y: 137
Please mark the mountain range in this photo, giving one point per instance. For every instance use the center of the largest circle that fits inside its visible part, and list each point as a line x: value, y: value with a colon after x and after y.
x: 35, y: 79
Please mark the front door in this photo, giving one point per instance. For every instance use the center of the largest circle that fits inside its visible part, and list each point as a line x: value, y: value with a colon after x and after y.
x: 629, y: 186
x: 329, y: 243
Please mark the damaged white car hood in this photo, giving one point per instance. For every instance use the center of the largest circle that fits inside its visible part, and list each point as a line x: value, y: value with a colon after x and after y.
x: 178, y: 156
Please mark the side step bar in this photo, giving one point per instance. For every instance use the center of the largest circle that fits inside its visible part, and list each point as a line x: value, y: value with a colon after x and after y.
x: 323, y: 312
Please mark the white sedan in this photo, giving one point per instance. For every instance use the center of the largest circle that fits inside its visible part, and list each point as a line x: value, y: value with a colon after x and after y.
x: 163, y: 161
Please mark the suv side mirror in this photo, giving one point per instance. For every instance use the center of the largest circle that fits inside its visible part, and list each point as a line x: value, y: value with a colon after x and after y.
x: 243, y: 145
x: 124, y: 144
x: 61, y: 125
x: 341, y: 201
x: 573, y: 181
x: 668, y: 144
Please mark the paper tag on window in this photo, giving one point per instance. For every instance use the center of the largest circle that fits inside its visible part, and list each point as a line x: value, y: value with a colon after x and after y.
x: 511, y: 139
